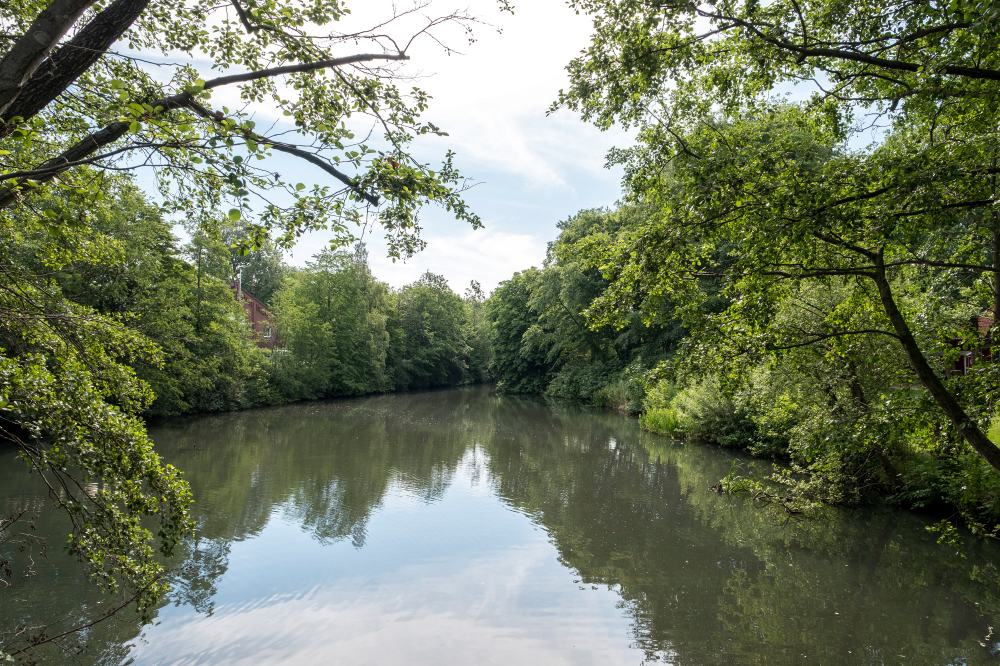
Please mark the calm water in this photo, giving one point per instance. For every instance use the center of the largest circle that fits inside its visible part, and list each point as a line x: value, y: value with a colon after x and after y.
x: 459, y: 527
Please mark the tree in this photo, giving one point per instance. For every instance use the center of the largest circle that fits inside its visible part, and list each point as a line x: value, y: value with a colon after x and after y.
x: 332, y: 320
x: 80, y: 102
x: 764, y: 198
x: 517, y: 366
x: 185, y: 307
x: 427, y: 346
x: 70, y: 396
x: 544, y: 341
x: 477, y: 333
x: 91, y: 105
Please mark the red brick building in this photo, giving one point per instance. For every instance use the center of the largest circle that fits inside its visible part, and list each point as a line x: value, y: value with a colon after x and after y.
x: 983, y: 352
x: 260, y: 318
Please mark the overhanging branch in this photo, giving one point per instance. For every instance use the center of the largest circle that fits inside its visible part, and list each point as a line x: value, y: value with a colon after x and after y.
x: 804, y: 51
x: 819, y: 337
x: 289, y: 149
x: 300, y: 68
x: 114, y: 131
x: 31, y: 47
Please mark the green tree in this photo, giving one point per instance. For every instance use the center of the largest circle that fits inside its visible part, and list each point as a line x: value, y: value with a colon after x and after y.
x: 477, y: 334
x: 77, y: 107
x: 427, y: 345
x: 332, y: 322
x: 69, y: 394
x: 785, y: 196
x: 185, y: 307
x: 69, y: 100
x: 544, y: 340
x: 518, y: 367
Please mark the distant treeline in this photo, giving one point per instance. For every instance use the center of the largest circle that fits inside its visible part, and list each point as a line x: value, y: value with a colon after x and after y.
x: 342, y: 331
x: 843, y: 415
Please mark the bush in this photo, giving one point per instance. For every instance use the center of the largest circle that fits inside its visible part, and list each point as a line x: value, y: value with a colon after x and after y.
x: 701, y: 412
x: 579, y: 383
x: 962, y: 481
x: 625, y: 394
x: 661, y: 420
x: 707, y: 415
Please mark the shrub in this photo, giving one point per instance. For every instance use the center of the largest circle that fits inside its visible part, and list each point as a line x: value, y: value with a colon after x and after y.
x: 661, y: 420
x: 626, y: 393
x: 581, y: 383
x: 707, y: 415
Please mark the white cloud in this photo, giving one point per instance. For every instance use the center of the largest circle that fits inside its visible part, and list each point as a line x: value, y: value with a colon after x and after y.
x: 493, y: 97
x: 488, y: 256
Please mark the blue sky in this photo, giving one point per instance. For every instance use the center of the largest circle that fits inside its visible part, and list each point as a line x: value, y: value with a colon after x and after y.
x: 532, y: 169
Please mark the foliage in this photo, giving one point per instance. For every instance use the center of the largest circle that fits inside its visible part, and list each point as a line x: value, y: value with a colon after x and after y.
x: 70, y: 396
x: 103, y: 318
x: 543, y: 341
x: 186, y: 308
x: 817, y: 195
x: 332, y: 322
x: 427, y: 345
x: 840, y: 412
x: 519, y: 367
x: 125, y: 325
x: 345, y: 333
x: 89, y: 105
x: 626, y: 393
x: 477, y: 334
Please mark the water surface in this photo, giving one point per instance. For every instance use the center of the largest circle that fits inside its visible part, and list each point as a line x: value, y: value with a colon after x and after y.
x: 460, y: 527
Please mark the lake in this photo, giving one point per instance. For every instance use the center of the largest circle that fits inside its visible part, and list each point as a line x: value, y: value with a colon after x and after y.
x: 462, y: 527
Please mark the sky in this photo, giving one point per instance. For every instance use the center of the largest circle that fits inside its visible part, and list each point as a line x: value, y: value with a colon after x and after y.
x: 532, y: 169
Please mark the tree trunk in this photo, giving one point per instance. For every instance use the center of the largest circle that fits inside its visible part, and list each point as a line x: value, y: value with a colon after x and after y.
x: 972, y: 433
x: 72, y: 59
x: 31, y: 48
x: 996, y: 254
x: 197, y: 308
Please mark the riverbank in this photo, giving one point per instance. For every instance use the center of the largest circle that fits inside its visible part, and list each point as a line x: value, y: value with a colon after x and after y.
x: 705, y: 416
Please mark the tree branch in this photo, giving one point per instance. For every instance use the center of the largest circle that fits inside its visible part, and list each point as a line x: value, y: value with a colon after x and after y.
x: 840, y: 242
x: 84, y: 148
x: 299, y: 68
x: 71, y: 60
x: 31, y: 48
x: 853, y: 56
x: 972, y: 203
x: 819, y: 272
x: 818, y: 337
x: 245, y: 20
x: 292, y: 150
x: 34, y: 174
x: 942, y: 264
x: 114, y: 131
x: 945, y: 398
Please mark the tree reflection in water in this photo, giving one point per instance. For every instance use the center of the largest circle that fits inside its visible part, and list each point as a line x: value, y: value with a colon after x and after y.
x: 702, y: 578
